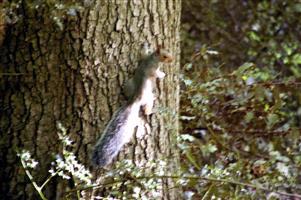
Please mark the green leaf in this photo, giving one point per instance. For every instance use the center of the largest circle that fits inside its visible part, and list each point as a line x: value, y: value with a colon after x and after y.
x: 296, y: 71
x: 192, y: 159
x: 187, y: 137
x: 249, y: 116
x: 253, y: 36
x: 187, y: 82
x: 272, y: 119
x: 241, y: 72
x: 209, y: 148
x: 283, y: 169
x: 297, y: 7
x: 188, y: 66
x: 296, y: 59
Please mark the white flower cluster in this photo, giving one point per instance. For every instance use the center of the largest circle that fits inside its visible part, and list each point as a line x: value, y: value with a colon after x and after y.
x: 67, y: 165
x: 29, y: 162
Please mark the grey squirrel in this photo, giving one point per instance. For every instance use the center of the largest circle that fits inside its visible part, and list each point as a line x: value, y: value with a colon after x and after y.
x: 139, y: 91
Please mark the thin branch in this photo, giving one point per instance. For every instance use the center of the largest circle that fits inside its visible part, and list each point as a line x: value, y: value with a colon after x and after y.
x: 49, y: 178
x: 111, y: 183
x: 12, y: 74
x: 259, y: 131
x: 190, y: 177
x: 207, y: 192
x: 32, y: 181
x: 266, y: 83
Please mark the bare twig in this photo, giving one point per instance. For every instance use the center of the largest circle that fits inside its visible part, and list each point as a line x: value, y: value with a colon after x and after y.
x: 190, y: 177
x: 12, y: 74
x: 35, y: 185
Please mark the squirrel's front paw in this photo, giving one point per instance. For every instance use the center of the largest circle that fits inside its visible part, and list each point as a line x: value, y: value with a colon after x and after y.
x: 160, y: 74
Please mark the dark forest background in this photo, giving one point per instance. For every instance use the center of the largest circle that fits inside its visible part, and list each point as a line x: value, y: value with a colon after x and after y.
x: 240, y: 99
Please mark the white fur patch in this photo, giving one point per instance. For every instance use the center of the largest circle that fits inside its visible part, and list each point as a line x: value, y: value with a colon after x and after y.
x: 132, y: 121
x: 147, y: 93
x: 160, y: 74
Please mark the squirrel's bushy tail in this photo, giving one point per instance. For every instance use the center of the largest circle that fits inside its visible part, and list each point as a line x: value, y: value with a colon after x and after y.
x: 118, y: 132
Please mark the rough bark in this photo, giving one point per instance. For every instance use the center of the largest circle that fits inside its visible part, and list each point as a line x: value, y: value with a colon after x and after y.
x: 68, y: 66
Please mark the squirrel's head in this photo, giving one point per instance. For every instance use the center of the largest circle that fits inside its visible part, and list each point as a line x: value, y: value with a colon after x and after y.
x: 164, y: 56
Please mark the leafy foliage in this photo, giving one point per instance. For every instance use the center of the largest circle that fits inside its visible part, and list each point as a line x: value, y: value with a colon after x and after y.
x: 65, y: 165
x: 240, y: 106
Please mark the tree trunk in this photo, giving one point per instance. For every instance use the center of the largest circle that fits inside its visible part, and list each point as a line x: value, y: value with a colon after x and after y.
x: 67, y: 63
